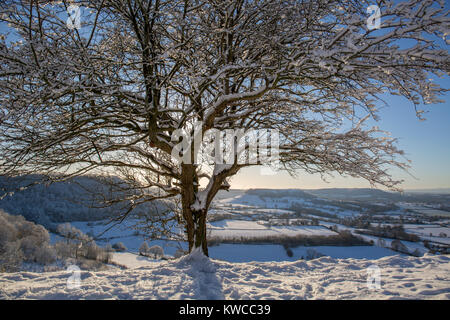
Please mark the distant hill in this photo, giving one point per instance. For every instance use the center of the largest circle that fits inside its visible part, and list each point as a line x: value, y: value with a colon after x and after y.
x: 355, y: 194
x: 437, y: 196
x: 278, y: 193
x: 433, y: 191
x: 57, y: 202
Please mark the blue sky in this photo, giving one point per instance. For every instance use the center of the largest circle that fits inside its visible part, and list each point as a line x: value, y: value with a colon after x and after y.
x: 426, y: 144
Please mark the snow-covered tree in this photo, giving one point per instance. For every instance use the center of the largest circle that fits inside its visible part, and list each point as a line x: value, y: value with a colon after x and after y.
x: 313, y: 254
x: 22, y: 240
x: 45, y: 255
x: 110, y: 95
x: 156, y: 251
x: 70, y: 233
x: 119, y: 247
x: 381, y: 243
x: 144, y: 249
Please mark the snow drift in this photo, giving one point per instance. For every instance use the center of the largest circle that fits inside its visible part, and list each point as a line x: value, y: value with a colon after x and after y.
x: 198, y: 277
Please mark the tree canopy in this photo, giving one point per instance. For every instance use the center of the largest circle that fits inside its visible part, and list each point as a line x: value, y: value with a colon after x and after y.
x: 110, y: 95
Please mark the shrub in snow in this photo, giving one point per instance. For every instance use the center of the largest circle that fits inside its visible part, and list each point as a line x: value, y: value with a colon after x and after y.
x: 92, y: 251
x: 143, y: 249
x: 70, y: 233
x: 28, y: 246
x: 104, y: 256
x: 7, y: 230
x: 109, y: 248
x: 11, y: 257
x: 85, y: 249
x: 80, y: 245
x: 34, y: 238
x: 313, y: 254
x: 119, y: 247
x: 381, y: 242
x: 65, y: 250
x: 156, y: 252
x: 45, y: 255
x: 22, y: 240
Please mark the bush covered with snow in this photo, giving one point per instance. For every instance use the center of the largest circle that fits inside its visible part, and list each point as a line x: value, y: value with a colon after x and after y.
x: 119, y: 247
x: 22, y: 240
x: 11, y: 257
x: 77, y: 245
x: 144, y: 249
x: 156, y: 252
x: 45, y: 255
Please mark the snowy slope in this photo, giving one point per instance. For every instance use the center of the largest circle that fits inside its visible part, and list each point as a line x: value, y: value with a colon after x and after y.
x: 197, y: 277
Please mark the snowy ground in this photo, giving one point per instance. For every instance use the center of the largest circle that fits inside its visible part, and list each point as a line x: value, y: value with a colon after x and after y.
x: 132, y: 260
x: 430, y: 232
x: 274, y: 206
x: 197, y: 277
x: 411, y: 246
x: 229, y: 229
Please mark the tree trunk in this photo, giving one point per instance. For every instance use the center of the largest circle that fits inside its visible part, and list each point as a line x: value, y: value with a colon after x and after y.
x: 195, y: 219
x: 200, y: 231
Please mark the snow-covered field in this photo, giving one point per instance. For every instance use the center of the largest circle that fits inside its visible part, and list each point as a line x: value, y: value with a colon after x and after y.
x: 411, y: 246
x: 229, y: 229
x: 197, y: 277
x: 132, y: 260
x: 273, y: 206
x: 426, y: 210
x: 430, y: 232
